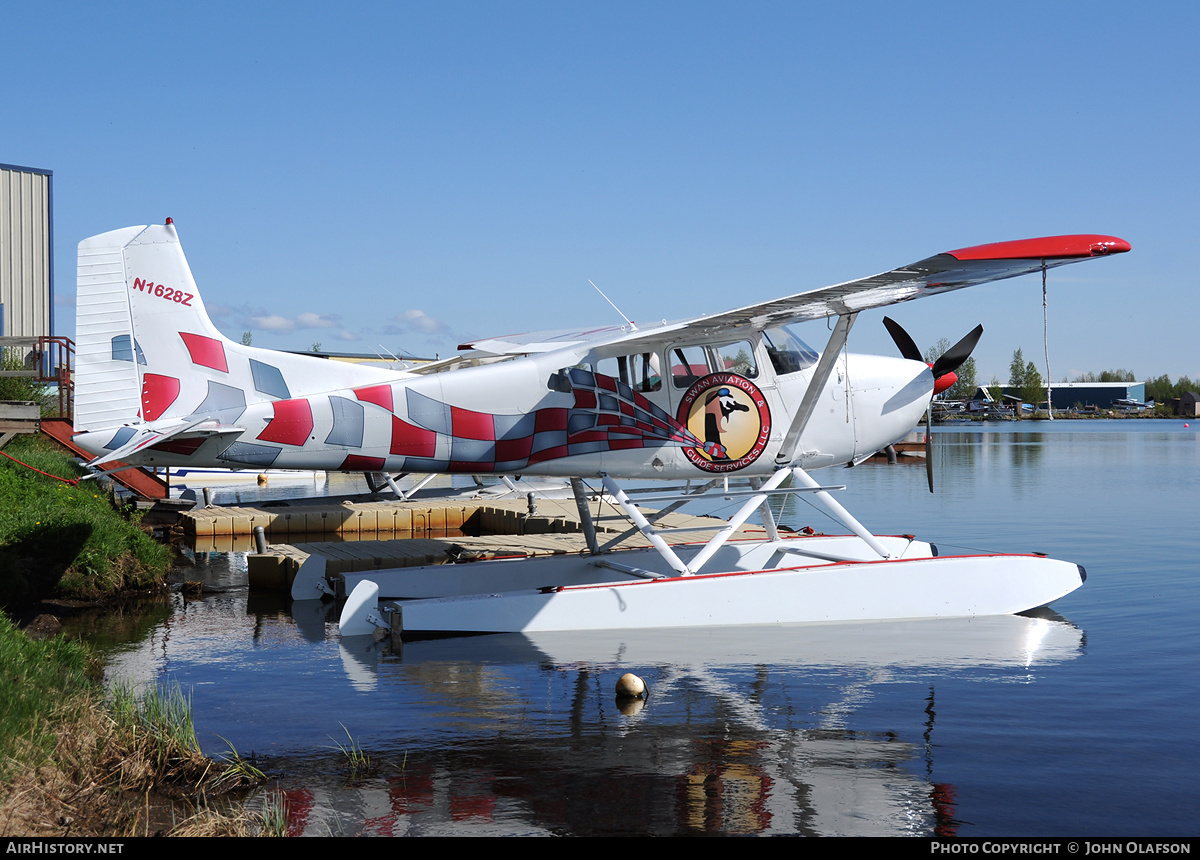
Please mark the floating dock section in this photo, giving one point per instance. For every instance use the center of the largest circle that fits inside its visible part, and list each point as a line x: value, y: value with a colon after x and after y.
x: 361, y: 536
x: 381, y: 520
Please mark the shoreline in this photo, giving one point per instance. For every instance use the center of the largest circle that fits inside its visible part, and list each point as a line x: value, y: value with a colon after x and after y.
x: 79, y: 759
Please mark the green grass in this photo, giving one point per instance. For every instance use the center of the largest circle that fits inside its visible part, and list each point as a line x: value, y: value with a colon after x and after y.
x: 272, y: 819
x: 163, y: 718
x: 58, y: 539
x: 357, y: 760
x: 36, y: 679
x: 238, y: 771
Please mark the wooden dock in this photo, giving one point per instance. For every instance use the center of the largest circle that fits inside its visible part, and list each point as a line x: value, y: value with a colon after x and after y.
x: 323, y: 519
x: 378, y: 535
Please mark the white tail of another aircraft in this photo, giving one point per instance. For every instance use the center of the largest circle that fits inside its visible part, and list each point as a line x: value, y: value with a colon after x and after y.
x: 146, y: 349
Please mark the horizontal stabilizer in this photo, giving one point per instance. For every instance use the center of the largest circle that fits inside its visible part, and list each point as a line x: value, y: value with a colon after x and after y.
x: 147, y: 436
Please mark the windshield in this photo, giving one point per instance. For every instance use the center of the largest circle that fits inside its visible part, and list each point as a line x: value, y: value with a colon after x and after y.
x: 788, y: 353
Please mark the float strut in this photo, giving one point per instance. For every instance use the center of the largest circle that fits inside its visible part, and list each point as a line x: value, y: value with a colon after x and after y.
x: 841, y: 513
x: 639, y: 520
x: 585, y: 516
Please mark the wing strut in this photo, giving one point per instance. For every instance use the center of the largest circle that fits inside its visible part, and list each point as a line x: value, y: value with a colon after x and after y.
x: 833, y: 350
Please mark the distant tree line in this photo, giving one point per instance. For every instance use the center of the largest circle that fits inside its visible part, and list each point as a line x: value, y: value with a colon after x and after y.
x: 1159, y: 389
x: 1118, y: 375
x: 1024, y: 380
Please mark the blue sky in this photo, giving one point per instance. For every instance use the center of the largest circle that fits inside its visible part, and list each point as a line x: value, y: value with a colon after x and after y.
x: 406, y: 176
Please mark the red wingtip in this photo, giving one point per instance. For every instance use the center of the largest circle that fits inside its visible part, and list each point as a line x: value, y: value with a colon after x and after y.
x: 1046, y: 248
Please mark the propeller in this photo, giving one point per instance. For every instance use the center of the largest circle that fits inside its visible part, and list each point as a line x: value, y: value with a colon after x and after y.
x: 943, y: 373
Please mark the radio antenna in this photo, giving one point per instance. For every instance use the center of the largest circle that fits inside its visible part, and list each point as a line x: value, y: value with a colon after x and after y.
x: 632, y: 324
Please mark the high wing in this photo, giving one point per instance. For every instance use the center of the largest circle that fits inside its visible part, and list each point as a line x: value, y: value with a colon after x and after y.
x: 941, y: 273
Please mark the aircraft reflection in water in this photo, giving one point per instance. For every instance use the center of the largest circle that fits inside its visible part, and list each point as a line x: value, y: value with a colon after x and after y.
x: 745, y: 731
x: 808, y: 729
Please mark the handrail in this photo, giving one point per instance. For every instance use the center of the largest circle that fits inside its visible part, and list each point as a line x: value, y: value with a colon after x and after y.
x: 53, y: 360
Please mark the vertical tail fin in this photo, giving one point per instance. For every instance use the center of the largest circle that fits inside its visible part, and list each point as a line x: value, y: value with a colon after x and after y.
x: 146, y: 348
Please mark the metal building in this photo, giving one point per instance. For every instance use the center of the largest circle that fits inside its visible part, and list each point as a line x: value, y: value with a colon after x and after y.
x: 26, y: 252
x: 1101, y: 394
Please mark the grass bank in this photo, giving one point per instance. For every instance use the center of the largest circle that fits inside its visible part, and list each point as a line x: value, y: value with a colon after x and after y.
x: 77, y: 761
x: 66, y: 541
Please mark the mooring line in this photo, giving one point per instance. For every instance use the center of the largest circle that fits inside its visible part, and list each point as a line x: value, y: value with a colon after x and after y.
x: 70, y: 481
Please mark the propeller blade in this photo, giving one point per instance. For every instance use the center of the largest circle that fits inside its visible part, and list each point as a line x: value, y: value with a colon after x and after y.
x: 929, y: 445
x: 954, y: 357
x: 943, y: 374
x: 906, y: 345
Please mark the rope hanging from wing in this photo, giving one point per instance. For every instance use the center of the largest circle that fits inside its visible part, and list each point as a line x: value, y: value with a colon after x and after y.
x: 1046, y: 343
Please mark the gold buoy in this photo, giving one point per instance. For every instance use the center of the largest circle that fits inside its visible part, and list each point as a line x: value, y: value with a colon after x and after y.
x: 630, y: 686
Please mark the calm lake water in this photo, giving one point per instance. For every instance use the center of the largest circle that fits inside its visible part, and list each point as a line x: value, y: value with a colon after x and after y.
x: 1081, y: 722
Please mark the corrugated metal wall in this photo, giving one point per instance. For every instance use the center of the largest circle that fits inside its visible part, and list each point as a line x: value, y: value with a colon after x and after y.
x: 25, y: 251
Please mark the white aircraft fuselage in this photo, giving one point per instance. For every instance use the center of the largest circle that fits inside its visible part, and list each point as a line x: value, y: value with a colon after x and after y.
x: 503, y: 418
x: 733, y: 394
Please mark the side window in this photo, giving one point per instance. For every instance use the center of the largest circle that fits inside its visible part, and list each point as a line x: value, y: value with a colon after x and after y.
x: 737, y: 358
x: 639, y: 371
x: 688, y: 363
x: 613, y: 367
x: 645, y: 372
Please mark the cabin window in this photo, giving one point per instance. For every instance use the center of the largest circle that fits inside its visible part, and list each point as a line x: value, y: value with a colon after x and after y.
x: 645, y: 371
x: 639, y: 371
x: 737, y: 358
x: 689, y: 363
x: 787, y: 352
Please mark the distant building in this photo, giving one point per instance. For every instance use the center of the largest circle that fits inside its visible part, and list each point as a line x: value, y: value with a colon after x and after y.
x: 1189, y: 404
x: 26, y: 252
x: 1065, y: 395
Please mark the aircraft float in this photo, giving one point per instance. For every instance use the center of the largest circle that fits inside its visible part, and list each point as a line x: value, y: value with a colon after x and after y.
x: 732, y: 404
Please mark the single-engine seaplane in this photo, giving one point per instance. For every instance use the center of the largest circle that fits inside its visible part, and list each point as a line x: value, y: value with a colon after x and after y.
x: 734, y: 395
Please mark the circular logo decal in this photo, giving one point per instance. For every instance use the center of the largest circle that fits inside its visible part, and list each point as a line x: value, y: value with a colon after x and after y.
x: 729, y: 416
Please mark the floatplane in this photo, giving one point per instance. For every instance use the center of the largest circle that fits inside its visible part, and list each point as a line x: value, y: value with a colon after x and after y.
x: 733, y: 404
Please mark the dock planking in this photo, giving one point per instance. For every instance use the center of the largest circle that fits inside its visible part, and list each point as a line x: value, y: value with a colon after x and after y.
x: 357, y: 536
x: 381, y: 520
